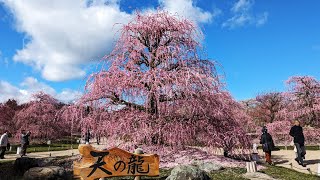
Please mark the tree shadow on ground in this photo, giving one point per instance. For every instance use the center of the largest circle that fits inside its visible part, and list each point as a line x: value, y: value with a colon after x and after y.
x: 279, y: 159
x: 281, y: 162
x: 313, y: 161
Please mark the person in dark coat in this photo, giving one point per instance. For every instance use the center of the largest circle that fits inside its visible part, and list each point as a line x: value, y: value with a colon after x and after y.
x: 24, y: 142
x: 298, y: 138
x: 87, y: 137
x: 267, y: 144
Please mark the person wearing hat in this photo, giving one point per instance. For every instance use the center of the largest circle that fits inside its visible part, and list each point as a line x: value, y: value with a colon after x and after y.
x: 267, y: 144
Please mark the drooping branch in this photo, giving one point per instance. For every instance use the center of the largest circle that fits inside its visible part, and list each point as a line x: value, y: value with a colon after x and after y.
x: 117, y: 100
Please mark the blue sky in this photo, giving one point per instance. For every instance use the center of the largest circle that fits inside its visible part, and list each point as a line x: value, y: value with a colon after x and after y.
x: 53, y: 47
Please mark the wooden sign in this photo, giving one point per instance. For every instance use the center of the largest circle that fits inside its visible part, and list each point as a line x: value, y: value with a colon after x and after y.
x: 113, y: 162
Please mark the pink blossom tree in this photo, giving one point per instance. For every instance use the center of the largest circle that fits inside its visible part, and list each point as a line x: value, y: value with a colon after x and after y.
x: 304, y: 94
x: 154, y: 88
x: 70, y: 115
x: 7, y: 113
x: 39, y: 116
x: 269, y: 106
x: 280, y: 131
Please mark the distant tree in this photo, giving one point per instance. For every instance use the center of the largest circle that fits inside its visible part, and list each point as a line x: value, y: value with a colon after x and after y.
x: 280, y: 131
x: 7, y: 112
x: 269, y: 106
x: 157, y: 90
x: 39, y: 116
x: 304, y: 94
x: 12, y: 103
x: 75, y: 117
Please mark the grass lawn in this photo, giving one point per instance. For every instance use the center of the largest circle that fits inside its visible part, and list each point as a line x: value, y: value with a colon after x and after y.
x: 229, y: 173
x: 6, y: 161
x: 287, y: 174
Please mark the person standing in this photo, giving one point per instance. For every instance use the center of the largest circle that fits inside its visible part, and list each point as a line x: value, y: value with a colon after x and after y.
x: 4, y: 142
x: 267, y: 144
x: 87, y: 137
x: 296, y: 132
x: 24, y: 142
x: 98, y: 138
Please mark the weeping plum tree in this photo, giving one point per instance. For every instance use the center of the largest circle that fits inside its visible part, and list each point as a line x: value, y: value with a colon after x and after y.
x: 7, y: 113
x: 269, y: 106
x: 280, y: 131
x: 39, y: 116
x: 304, y: 94
x: 155, y: 89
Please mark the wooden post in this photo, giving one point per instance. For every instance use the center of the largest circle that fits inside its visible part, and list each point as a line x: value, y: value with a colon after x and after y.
x: 255, y: 156
x: 18, y: 150
x: 318, y: 169
x: 248, y: 167
x: 251, y: 167
x: 138, y: 151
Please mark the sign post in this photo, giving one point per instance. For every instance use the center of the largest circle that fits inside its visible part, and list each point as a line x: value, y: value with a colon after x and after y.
x: 138, y: 151
x: 114, y: 162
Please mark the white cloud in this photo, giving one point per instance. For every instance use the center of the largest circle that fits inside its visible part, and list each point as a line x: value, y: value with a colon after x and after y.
x: 188, y: 9
x: 68, y: 95
x: 262, y: 19
x: 237, y: 21
x: 33, y: 85
x: 23, y: 93
x: 242, y: 5
x: 4, y: 60
x: 64, y: 35
x: 7, y: 91
x: 243, y: 16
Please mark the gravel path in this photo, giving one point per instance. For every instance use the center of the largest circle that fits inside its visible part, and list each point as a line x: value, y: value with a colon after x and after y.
x: 285, y: 158
x: 42, y: 154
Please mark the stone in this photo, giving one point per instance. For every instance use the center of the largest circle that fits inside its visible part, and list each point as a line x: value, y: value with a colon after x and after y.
x: 46, y: 161
x: 21, y: 165
x: 258, y: 176
x: 209, y: 167
x: 45, y: 173
x: 188, y: 172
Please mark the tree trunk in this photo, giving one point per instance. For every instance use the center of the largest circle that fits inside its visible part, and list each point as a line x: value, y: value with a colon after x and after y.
x: 153, y: 105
